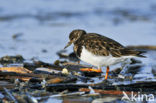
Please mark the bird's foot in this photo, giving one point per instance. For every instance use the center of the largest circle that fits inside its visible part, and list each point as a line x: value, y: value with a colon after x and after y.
x: 91, y: 70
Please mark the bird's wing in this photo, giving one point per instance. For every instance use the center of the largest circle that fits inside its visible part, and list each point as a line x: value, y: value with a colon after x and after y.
x: 101, y: 45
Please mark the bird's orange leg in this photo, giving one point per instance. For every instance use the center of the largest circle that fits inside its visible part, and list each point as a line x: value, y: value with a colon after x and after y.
x: 78, y: 62
x: 91, y: 70
x: 106, y: 76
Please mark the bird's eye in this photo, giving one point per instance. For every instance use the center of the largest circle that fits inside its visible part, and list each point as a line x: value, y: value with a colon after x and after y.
x: 71, y: 38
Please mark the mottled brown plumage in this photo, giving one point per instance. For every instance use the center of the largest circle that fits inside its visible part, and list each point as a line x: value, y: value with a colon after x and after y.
x: 99, y: 45
x: 99, y: 50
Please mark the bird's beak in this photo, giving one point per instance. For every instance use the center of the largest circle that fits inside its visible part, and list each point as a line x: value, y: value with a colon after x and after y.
x: 69, y: 43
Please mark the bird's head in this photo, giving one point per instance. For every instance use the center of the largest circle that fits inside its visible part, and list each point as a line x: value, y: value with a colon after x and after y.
x: 74, y: 36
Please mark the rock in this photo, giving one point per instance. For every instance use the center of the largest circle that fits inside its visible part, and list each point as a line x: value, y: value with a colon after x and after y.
x: 72, y: 57
x: 11, y: 59
x: 44, y: 51
x: 57, y: 62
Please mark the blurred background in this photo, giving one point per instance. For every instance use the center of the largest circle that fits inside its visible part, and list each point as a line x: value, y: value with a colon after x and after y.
x: 40, y: 28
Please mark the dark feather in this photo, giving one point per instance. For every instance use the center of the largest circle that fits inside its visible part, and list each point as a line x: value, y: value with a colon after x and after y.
x: 103, y: 46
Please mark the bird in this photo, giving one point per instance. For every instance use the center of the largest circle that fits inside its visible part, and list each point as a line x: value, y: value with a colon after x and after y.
x: 99, y: 50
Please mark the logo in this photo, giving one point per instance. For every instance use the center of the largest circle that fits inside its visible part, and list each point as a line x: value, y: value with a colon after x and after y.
x: 137, y: 97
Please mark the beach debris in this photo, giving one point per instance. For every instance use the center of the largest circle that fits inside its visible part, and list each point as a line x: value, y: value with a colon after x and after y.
x: 1, y: 95
x: 65, y: 86
x: 30, y: 98
x: 37, y: 81
x: 62, y: 94
x: 71, y: 56
x: 5, y: 60
x: 65, y: 71
x: 11, y: 97
x: 6, y: 84
x: 15, y: 69
x: 100, y: 91
x: 43, y: 70
x: 55, y: 80
x: 106, y: 99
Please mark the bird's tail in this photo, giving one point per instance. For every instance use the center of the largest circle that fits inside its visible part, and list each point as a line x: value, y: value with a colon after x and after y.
x: 138, y: 53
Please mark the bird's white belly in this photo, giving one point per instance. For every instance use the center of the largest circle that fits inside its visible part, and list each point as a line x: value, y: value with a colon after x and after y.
x: 99, y: 61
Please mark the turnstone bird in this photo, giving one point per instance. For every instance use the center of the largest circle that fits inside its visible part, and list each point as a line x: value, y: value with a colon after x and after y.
x: 99, y: 50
